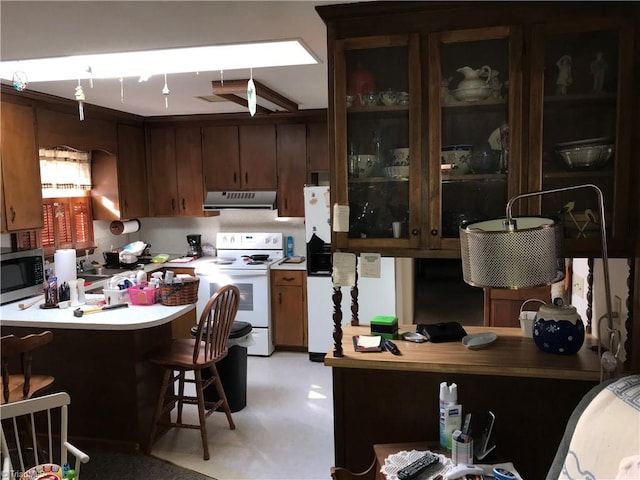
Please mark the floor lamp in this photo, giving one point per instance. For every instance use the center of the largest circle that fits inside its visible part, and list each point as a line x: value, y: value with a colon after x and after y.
x: 528, y: 252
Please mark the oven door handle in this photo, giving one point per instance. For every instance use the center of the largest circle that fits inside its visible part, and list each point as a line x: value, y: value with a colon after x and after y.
x: 238, y: 273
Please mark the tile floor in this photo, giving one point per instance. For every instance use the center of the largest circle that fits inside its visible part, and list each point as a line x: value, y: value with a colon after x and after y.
x: 284, y: 432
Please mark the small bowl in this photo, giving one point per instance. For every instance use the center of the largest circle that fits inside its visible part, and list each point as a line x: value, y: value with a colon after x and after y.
x: 586, y: 157
x: 403, y: 98
x: 370, y: 99
x: 349, y: 100
x: 459, y: 157
x: 389, y: 98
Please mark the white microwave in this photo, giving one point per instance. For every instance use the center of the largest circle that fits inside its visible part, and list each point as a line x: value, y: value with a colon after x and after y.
x: 21, y: 274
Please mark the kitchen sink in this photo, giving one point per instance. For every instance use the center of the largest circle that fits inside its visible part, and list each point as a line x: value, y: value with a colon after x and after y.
x: 93, y: 278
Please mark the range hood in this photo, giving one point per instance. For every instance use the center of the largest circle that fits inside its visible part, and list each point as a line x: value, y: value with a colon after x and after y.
x: 222, y: 200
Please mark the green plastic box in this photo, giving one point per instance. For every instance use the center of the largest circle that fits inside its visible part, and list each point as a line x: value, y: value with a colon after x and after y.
x: 385, y: 325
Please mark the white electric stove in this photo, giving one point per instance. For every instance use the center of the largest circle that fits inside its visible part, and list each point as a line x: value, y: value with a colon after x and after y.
x: 239, y: 261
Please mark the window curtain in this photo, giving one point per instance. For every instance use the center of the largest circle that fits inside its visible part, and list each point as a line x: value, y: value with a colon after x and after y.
x: 65, y: 172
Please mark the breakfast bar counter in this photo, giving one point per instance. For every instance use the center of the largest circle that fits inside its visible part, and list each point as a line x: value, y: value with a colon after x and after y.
x: 382, y: 398
x: 99, y: 359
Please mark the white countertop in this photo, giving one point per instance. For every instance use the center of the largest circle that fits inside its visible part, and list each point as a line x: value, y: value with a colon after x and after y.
x: 289, y: 266
x: 135, y: 317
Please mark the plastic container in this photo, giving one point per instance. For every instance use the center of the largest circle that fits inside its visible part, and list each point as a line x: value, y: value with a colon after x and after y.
x: 115, y: 296
x: 232, y: 368
x: 143, y: 294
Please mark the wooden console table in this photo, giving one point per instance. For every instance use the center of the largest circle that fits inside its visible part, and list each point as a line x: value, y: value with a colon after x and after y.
x: 380, y: 398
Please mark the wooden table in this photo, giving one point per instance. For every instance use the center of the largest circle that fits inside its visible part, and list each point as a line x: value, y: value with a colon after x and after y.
x: 380, y: 398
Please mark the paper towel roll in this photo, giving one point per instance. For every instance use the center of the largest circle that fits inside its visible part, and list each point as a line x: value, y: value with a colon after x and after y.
x: 118, y: 228
x: 65, y: 265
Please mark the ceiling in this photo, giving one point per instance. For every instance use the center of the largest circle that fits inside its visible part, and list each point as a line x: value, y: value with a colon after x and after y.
x: 37, y: 29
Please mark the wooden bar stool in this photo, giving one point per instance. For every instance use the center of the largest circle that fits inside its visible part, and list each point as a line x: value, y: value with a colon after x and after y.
x: 23, y: 385
x: 185, y: 354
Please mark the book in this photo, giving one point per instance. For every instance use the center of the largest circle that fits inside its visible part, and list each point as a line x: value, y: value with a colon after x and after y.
x: 367, y: 343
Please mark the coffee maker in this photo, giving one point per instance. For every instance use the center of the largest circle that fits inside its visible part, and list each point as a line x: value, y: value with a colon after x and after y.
x: 195, y: 245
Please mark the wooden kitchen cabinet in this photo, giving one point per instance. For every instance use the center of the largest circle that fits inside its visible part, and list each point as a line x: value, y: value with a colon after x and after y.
x: 21, y: 187
x: 239, y: 157
x: 317, y: 148
x: 258, y: 157
x: 119, y: 182
x: 516, y: 118
x: 292, y: 171
x: 57, y: 128
x: 502, y: 307
x: 289, y: 308
x: 174, y: 169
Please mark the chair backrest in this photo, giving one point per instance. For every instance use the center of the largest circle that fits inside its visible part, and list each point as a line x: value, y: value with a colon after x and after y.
x: 47, y: 418
x: 215, y: 324
x: 22, y: 347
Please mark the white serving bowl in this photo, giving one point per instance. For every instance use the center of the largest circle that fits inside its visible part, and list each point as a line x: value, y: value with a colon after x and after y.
x: 400, y: 171
x: 459, y: 157
x: 400, y: 156
x: 472, y: 94
x: 586, y: 156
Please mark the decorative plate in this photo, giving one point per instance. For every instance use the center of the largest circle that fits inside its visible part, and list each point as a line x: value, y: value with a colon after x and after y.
x: 479, y: 340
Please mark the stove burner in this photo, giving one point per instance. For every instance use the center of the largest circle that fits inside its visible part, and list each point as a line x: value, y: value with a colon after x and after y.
x: 254, y: 262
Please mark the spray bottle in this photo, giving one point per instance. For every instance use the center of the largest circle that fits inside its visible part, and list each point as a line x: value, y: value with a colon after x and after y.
x: 448, y: 398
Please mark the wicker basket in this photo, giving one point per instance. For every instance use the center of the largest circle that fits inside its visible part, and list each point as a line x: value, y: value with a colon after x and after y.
x: 184, y: 293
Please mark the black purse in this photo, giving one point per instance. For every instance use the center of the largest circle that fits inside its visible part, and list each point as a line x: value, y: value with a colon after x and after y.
x: 442, y: 332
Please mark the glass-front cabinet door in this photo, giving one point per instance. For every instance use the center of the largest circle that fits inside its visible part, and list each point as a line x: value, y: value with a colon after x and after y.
x: 474, y: 128
x: 578, y: 115
x: 378, y: 152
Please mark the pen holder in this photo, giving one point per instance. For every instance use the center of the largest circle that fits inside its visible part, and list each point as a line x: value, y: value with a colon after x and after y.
x: 461, y: 452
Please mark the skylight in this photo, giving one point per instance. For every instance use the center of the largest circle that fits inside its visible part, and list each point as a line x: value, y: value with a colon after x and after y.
x: 158, y: 62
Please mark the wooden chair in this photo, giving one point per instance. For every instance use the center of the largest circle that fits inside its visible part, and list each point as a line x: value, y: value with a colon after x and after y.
x: 339, y: 473
x: 196, y: 354
x: 48, y: 417
x: 25, y: 384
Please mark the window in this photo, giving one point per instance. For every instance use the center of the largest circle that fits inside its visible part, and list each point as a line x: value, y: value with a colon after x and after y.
x: 68, y: 223
x: 65, y: 175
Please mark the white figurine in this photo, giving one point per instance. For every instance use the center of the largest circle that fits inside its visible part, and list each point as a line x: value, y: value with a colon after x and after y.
x: 564, y: 75
x: 598, y: 69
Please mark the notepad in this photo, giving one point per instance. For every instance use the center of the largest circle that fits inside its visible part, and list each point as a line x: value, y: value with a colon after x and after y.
x: 367, y: 343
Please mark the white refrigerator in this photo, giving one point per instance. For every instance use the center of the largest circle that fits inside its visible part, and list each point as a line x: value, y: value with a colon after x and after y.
x: 376, y: 296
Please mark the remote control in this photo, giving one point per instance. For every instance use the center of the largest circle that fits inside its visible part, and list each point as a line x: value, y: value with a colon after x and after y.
x: 420, y: 465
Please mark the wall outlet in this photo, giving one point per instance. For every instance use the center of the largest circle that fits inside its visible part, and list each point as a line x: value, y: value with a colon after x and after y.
x: 577, y: 286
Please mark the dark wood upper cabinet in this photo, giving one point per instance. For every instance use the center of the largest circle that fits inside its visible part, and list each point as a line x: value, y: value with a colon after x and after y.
x: 21, y: 187
x: 317, y: 148
x: 119, y: 181
x: 221, y: 158
x: 291, y: 149
x: 526, y: 107
x: 258, y: 157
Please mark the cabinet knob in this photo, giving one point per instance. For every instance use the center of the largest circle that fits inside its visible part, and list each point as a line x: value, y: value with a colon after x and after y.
x: 235, y: 177
x: 184, y: 204
x: 415, y: 231
x: 280, y: 298
x: 173, y: 204
x: 13, y: 214
x: 434, y: 232
x: 246, y: 177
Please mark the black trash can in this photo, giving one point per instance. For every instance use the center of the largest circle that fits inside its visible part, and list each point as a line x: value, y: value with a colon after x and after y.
x: 232, y: 369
